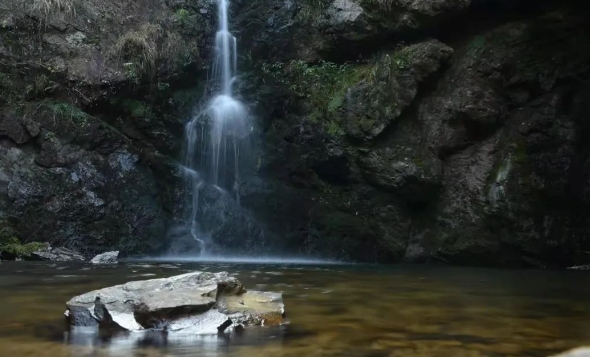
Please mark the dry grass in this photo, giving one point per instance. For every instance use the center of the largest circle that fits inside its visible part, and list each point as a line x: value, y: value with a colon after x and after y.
x: 140, y: 47
x: 142, y: 51
x: 47, y: 7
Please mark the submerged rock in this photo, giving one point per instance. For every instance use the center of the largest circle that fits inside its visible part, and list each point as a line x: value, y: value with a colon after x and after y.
x: 196, y: 303
x: 106, y: 258
x: 58, y: 255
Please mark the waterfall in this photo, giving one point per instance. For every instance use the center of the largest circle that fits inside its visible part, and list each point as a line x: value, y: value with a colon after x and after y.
x: 217, y: 137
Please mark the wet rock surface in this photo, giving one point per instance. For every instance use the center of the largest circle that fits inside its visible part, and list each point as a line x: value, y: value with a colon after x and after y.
x: 106, y: 258
x: 196, y: 303
x: 425, y: 141
x: 406, y: 130
x: 86, y: 137
x: 57, y: 255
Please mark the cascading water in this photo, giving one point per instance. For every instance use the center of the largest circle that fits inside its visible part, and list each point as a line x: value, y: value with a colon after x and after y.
x: 217, y: 137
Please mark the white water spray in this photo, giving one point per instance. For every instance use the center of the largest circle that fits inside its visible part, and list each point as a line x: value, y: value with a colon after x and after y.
x: 220, y: 132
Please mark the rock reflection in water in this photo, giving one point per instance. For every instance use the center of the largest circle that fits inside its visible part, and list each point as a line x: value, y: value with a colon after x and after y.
x: 125, y: 344
x: 334, y: 311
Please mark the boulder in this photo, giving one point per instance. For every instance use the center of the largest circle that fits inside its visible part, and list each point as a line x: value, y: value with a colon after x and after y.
x: 106, y: 258
x: 196, y: 303
x: 58, y: 255
x: 376, y: 103
x: 417, y: 178
x: 578, y: 352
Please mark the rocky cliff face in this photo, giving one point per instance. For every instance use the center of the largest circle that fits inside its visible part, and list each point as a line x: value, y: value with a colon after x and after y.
x: 91, y: 110
x: 425, y: 131
x: 390, y: 130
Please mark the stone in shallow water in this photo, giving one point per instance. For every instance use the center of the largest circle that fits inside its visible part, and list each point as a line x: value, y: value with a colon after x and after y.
x: 196, y: 303
x: 58, y: 255
x: 106, y: 258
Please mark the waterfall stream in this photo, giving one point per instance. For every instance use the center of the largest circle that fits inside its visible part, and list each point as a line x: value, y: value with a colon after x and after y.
x: 217, y: 137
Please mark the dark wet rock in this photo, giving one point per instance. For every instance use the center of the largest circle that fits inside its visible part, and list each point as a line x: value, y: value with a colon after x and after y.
x: 85, y: 140
x: 89, y: 203
x: 464, y: 149
x: 12, y: 127
x: 198, y: 303
x: 58, y: 255
x: 417, y: 178
x: 231, y: 228
x: 106, y: 258
x: 335, y: 28
x: 374, y: 104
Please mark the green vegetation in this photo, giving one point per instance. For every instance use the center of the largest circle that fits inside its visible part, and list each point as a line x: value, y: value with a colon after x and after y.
x: 401, y: 59
x: 476, y: 45
x: 7, y: 233
x: 10, y: 245
x: 37, y: 87
x: 47, y: 7
x: 14, y: 248
x: 163, y: 86
x: 5, y: 81
x: 136, y: 108
x: 139, y: 49
x: 323, y: 85
x: 519, y: 150
x: 68, y: 112
x: 143, y: 51
x: 185, y: 99
x: 182, y: 15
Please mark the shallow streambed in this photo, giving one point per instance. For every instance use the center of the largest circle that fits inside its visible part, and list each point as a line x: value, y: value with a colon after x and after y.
x: 364, y: 311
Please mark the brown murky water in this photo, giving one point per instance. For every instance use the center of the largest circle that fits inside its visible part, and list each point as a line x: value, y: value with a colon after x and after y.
x: 357, y: 311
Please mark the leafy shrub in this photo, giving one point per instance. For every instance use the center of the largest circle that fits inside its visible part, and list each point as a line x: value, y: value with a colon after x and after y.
x: 69, y: 112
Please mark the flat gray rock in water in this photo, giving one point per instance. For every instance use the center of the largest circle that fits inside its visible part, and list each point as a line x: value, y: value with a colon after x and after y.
x: 106, y: 258
x: 196, y: 303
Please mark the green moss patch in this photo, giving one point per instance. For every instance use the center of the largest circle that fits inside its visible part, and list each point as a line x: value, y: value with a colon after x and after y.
x: 323, y: 86
x: 12, y: 248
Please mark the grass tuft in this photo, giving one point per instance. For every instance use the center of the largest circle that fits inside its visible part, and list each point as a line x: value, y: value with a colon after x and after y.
x: 47, y: 7
x: 143, y: 51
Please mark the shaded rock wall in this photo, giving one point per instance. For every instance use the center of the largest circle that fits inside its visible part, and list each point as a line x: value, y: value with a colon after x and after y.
x: 94, y: 98
x: 399, y: 130
x: 437, y: 131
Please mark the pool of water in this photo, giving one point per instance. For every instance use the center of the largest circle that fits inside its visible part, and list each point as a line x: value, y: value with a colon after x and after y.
x: 334, y: 310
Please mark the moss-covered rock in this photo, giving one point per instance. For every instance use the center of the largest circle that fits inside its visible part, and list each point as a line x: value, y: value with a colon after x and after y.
x: 470, y: 155
x: 374, y: 104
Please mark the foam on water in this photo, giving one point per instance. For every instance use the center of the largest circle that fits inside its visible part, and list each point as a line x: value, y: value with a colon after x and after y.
x: 238, y: 260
